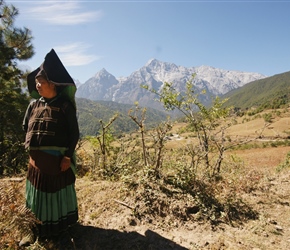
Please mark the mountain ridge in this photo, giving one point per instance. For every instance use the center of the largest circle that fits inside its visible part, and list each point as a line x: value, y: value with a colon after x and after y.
x: 270, y: 92
x: 127, y: 90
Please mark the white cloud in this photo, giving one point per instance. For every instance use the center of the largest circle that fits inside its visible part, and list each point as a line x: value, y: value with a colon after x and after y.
x: 75, y: 54
x: 61, y: 13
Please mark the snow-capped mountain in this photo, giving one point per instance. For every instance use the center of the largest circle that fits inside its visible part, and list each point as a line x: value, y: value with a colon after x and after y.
x: 98, y: 86
x: 104, y: 86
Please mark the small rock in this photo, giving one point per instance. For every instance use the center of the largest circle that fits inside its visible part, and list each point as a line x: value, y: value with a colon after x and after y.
x: 132, y: 222
x: 272, y: 222
x: 279, y: 228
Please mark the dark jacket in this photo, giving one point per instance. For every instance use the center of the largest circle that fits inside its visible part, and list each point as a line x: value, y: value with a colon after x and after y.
x: 51, y: 122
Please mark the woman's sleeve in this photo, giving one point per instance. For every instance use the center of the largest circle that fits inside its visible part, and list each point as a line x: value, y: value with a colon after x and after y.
x: 26, y: 118
x: 73, y: 129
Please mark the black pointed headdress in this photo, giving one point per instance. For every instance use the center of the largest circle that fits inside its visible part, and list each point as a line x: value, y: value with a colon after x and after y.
x: 56, y: 73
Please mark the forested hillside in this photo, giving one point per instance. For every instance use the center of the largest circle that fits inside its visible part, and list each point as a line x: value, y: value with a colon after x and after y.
x: 91, y: 112
x: 271, y: 92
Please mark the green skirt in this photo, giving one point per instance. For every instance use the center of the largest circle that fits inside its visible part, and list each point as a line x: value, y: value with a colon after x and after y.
x: 50, y: 193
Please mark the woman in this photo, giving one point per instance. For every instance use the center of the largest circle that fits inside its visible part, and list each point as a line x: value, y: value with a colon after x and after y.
x: 52, y: 133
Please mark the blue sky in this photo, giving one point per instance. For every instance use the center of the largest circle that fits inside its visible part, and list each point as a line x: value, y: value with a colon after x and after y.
x: 122, y: 36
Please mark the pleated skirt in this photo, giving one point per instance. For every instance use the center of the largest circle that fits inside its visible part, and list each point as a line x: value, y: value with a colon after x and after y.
x: 50, y: 193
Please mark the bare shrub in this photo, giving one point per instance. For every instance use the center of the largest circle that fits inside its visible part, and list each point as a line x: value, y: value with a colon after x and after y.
x: 202, y: 201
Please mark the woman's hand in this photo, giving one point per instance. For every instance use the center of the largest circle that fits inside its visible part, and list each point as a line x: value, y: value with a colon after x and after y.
x: 65, y: 164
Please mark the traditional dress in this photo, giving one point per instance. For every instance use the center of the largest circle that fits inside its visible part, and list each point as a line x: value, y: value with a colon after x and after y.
x: 52, y: 132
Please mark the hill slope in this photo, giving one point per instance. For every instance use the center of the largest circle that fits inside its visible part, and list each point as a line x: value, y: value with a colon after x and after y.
x: 91, y: 112
x: 269, y: 93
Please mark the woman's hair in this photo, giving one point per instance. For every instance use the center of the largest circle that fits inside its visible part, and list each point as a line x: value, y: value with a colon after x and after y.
x: 42, y: 74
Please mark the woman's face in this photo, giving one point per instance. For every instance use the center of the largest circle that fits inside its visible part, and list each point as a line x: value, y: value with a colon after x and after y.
x: 45, y: 88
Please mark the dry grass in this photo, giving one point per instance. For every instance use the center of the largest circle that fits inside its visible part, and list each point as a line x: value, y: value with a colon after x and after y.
x: 16, y: 220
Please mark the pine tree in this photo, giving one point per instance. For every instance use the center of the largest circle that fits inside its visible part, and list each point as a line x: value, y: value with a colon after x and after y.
x: 15, y: 46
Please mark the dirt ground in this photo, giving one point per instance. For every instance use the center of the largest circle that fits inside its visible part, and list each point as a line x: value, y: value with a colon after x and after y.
x: 106, y: 220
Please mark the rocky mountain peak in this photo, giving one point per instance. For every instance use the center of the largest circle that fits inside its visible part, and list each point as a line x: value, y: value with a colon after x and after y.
x: 156, y: 66
x: 102, y: 73
x: 104, y: 86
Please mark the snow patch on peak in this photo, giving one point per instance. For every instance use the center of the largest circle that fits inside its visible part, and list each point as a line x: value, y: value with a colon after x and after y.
x: 155, y: 64
x: 103, y: 72
x: 151, y: 61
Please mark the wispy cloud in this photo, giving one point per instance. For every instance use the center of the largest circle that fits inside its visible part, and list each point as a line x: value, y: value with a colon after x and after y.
x: 76, y: 54
x: 62, y: 13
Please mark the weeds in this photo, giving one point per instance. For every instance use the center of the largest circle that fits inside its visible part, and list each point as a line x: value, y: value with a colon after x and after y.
x: 285, y: 164
x: 15, y: 218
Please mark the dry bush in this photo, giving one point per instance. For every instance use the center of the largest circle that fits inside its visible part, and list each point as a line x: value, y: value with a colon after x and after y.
x: 195, y: 200
x: 15, y: 218
x: 182, y: 191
